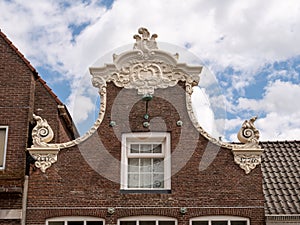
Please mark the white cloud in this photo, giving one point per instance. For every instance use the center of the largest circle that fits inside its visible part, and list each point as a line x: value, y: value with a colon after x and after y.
x: 280, y: 97
x: 280, y: 103
x: 205, y: 114
x: 279, y: 127
x: 85, y: 103
x: 243, y: 35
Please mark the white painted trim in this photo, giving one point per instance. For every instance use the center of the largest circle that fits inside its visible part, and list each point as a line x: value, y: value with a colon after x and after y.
x: 147, y: 218
x: 159, y: 137
x: 5, y: 146
x: 219, y: 218
x: 10, y: 214
x: 65, y: 219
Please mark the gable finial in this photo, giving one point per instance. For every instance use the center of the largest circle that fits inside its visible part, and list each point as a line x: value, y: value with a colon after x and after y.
x: 248, y: 134
x: 248, y: 155
x: 143, y: 40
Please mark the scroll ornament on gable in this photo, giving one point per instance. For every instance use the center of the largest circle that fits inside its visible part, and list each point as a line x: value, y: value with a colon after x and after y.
x: 248, y: 154
x: 145, y: 68
x: 44, y: 155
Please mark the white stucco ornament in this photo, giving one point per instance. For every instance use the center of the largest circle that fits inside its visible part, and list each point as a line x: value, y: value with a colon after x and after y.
x: 248, y: 155
x: 42, y: 133
x: 145, y: 68
x: 44, y: 155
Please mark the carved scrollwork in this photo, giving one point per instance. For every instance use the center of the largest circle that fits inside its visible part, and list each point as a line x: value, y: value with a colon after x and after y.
x: 45, y: 161
x: 144, y: 68
x: 248, y: 134
x: 247, y: 162
x: 41, y: 133
x: 44, y: 157
x: 144, y: 42
x: 148, y: 76
x: 248, y: 154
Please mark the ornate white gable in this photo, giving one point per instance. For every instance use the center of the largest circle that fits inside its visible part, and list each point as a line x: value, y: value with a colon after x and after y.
x: 145, y: 68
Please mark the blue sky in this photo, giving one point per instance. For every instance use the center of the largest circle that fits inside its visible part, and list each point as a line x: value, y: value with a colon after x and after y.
x: 250, y: 49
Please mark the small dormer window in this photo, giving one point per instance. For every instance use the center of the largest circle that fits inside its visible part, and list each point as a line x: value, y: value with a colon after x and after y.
x: 146, y: 161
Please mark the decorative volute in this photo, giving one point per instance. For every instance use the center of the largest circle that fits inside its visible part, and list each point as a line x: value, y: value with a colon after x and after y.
x: 44, y: 155
x: 145, y: 68
x: 248, y: 155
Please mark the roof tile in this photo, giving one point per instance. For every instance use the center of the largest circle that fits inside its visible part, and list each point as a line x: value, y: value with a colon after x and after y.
x: 281, y: 174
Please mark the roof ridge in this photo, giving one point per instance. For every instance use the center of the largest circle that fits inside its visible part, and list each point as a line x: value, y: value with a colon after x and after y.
x: 26, y: 61
x: 33, y: 70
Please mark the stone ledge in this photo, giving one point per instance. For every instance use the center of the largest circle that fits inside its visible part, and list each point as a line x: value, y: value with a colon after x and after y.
x: 10, y: 214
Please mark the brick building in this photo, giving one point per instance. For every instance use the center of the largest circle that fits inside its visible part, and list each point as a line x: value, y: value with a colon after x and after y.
x: 22, y: 93
x: 145, y: 161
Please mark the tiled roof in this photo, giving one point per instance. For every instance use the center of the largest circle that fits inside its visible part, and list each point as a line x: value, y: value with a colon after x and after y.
x: 67, y: 116
x: 281, y: 177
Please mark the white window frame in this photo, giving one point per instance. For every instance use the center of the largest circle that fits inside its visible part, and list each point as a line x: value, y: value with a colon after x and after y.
x: 162, y: 138
x: 209, y: 219
x: 67, y: 219
x: 147, y: 218
x: 2, y: 167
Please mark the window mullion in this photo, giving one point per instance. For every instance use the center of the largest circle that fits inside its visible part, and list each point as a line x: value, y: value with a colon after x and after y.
x: 152, y: 174
x: 139, y: 175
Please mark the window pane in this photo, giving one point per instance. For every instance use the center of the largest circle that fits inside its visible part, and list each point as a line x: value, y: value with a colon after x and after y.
x: 166, y: 223
x: 147, y: 223
x: 158, y: 165
x: 157, y: 148
x: 145, y: 148
x: 133, y: 180
x: 218, y: 222
x: 200, y: 223
x: 56, y: 223
x: 238, y: 222
x: 75, y: 222
x: 2, y: 145
x: 94, y: 223
x: 158, y: 180
x: 133, y: 165
x: 127, y: 223
x: 145, y: 181
x: 134, y: 148
x: 146, y: 165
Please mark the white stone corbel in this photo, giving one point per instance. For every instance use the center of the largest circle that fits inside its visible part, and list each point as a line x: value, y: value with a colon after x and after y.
x: 248, y: 154
x: 44, y: 155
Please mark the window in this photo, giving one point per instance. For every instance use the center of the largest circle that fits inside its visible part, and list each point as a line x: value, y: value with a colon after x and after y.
x: 147, y: 220
x: 3, y: 143
x: 146, y: 163
x: 75, y: 221
x: 220, y: 220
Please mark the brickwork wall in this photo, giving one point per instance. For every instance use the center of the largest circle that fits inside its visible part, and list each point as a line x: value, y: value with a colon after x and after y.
x: 16, y: 103
x: 10, y: 222
x: 46, y: 106
x: 85, y: 180
x: 22, y: 93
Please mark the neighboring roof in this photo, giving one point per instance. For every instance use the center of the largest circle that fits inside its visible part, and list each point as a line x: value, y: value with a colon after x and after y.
x: 281, y: 177
x: 66, y: 115
x: 33, y: 70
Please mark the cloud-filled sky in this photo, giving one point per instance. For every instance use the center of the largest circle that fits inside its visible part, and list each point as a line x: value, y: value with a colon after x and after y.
x: 251, y: 48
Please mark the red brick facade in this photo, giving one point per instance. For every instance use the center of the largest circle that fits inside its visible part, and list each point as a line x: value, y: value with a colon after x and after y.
x: 72, y: 187
x: 85, y: 181
x: 22, y: 92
